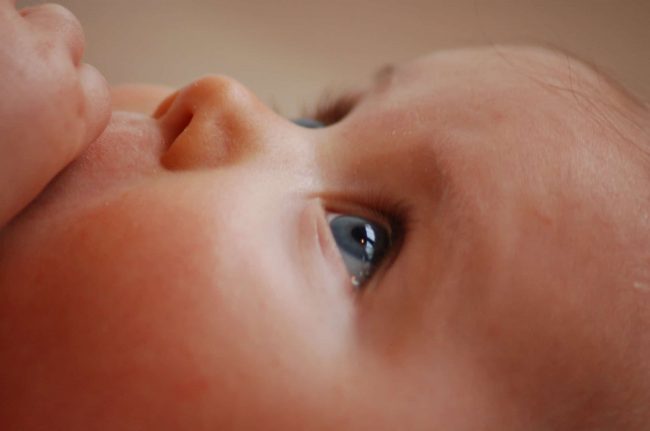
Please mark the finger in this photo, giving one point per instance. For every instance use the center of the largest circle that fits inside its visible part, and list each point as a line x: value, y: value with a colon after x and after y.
x: 8, y: 6
x: 60, y: 24
x: 97, y: 107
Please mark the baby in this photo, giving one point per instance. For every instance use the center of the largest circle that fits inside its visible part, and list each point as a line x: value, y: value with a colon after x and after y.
x: 462, y: 244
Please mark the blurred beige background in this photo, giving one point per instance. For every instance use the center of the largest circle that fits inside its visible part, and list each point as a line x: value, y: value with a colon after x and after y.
x: 288, y: 51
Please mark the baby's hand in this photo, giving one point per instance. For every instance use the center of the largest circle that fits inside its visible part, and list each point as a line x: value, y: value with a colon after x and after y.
x: 51, y: 104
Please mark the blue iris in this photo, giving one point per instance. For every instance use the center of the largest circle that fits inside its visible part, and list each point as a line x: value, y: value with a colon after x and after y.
x: 309, y: 123
x: 363, y: 245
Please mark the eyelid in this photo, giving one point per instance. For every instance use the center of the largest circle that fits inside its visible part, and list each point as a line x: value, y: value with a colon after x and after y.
x: 395, y: 215
x: 332, y: 108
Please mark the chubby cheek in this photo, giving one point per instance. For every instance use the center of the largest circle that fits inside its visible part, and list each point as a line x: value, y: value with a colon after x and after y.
x: 549, y: 340
x: 130, y: 319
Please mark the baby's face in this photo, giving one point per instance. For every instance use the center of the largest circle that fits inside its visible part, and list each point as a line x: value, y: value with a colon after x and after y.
x: 187, y: 271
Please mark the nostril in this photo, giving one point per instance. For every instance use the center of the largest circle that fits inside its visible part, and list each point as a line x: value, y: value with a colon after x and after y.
x: 165, y: 105
x: 174, y: 117
x: 175, y: 126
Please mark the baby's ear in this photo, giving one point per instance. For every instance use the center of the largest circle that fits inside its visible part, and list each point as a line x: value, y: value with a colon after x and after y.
x: 142, y: 98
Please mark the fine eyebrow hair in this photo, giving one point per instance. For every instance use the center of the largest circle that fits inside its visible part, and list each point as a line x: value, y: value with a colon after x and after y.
x: 384, y: 75
x: 332, y: 107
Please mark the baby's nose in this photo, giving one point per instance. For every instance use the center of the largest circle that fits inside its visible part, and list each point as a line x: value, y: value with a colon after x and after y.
x: 212, y: 122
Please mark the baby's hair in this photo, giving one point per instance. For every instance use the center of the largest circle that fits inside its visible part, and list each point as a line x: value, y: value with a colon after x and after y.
x: 609, y: 104
x: 628, y: 115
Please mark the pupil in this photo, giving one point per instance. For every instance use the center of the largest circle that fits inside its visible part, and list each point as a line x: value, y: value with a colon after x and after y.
x: 365, y: 236
x: 359, y: 233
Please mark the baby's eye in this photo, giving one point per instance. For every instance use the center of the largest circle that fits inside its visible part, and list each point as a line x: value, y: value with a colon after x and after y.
x: 329, y: 110
x: 309, y: 123
x: 363, y: 245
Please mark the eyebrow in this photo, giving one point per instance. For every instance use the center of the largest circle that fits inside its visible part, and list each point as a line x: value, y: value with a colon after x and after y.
x: 384, y: 75
x: 331, y: 107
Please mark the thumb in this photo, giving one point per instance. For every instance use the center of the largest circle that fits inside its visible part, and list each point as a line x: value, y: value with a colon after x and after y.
x: 97, y: 102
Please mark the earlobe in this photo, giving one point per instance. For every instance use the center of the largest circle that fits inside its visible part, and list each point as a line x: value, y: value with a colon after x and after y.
x: 142, y: 98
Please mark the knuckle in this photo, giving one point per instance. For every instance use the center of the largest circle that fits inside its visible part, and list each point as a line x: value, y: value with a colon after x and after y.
x: 64, y: 119
x: 56, y: 19
x: 57, y: 10
x: 70, y: 27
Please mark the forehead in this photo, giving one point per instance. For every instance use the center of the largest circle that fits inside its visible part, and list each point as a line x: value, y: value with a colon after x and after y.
x: 508, y: 71
x: 513, y: 138
x: 506, y: 135
x: 453, y: 104
x: 527, y: 95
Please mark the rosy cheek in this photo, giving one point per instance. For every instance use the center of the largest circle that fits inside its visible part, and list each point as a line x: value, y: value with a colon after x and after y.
x: 124, y: 316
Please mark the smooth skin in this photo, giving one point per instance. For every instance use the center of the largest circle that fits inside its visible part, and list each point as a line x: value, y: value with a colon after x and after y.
x: 180, y: 274
x: 52, y: 104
